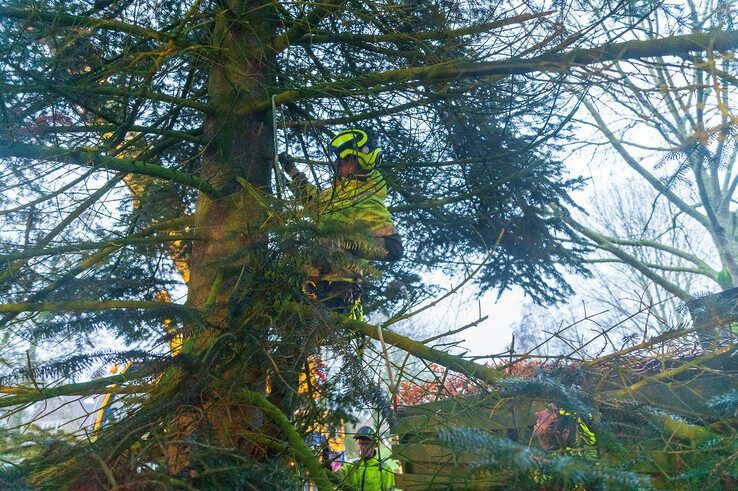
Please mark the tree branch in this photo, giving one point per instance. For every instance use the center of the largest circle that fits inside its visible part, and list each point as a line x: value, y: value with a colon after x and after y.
x: 401, y: 37
x: 13, y: 268
x: 79, y: 389
x: 652, y: 180
x: 302, y: 26
x: 416, y: 348
x: 94, y: 259
x: 671, y: 373
x: 676, y: 269
x: 702, y: 265
x: 553, y: 62
x: 98, y: 161
x: 31, y: 15
x: 193, y: 136
x: 295, y: 441
x: 92, y: 245
x: 626, y: 258
x: 95, y: 306
x: 49, y: 196
x: 103, y: 90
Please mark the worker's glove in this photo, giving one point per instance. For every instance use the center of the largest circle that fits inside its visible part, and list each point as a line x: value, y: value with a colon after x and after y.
x: 287, y: 165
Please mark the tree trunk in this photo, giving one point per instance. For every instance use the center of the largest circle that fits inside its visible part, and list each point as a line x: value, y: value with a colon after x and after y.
x: 239, y: 147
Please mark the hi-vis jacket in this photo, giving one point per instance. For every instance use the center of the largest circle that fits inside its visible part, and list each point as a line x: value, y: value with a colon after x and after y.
x: 356, y: 200
x: 368, y: 475
x: 585, y: 441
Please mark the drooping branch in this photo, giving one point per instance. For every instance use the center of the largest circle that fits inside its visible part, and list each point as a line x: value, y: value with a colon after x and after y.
x: 98, y: 161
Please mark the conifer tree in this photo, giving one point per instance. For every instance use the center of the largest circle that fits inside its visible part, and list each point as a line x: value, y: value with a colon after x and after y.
x: 138, y: 160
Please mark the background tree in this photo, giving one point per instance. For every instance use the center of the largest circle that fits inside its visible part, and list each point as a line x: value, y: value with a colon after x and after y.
x: 132, y: 125
x: 674, y: 128
x: 618, y: 305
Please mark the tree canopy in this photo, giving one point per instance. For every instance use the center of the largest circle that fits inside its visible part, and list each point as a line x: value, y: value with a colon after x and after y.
x: 140, y: 203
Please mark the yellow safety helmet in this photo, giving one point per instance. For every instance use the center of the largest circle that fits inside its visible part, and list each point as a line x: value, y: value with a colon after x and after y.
x: 358, y: 142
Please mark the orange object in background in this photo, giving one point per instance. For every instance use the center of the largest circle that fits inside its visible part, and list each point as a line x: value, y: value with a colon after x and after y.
x: 309, y: 382
x: 312, y: 377
x: 175, y: 343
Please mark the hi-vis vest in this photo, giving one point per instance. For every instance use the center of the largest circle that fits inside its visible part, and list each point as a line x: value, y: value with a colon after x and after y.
x: 367, y: 475
x: 584, y: 440
x: 353, y: 200
x: 356, y: 202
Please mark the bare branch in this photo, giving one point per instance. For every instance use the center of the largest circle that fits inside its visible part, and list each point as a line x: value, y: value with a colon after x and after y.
x: 602, y: 242
x: 632, y: 162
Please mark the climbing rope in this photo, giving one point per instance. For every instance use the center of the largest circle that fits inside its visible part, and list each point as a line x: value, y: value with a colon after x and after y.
x: 277, y: 169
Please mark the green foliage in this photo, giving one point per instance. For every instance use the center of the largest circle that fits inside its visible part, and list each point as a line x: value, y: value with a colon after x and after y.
x: 724, y: 279
x: 717, y: 467
x: 529, y: 467
x: 725, y: 405
x: 229, y: 472
x: 20, y: 447
x: 547, y: 388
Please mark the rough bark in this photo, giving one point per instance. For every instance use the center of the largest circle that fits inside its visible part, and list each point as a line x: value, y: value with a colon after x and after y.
x: 239, y: 150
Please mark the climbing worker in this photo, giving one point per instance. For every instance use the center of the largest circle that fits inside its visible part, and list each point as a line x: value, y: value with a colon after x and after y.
x: 559, y: 430
x: 369, y: 473
x: 355, y: 203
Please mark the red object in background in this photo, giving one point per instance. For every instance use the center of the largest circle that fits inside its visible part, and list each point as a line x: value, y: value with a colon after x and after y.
x: 452, y: 384
x: 44, y: 122
x: 440, y: 387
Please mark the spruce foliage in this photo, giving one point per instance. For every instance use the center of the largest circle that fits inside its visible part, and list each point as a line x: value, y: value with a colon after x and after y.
x: 530, y: 468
